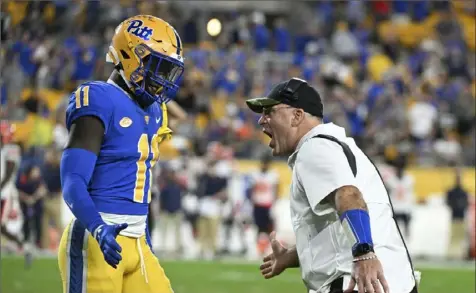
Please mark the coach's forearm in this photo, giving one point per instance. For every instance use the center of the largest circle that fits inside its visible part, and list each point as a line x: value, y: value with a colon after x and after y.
x: 292, y: 257
x: 348, y: 198
x: 354, y: 215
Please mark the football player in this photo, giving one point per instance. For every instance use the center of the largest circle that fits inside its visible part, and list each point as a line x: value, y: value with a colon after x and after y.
x: 10, y: 161
x: 115, y: 129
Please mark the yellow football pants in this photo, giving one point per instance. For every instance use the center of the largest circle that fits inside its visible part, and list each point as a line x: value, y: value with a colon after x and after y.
x: 84, y: 270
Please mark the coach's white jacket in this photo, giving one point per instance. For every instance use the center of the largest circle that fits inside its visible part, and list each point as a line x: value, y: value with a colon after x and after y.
x: 319, y: 166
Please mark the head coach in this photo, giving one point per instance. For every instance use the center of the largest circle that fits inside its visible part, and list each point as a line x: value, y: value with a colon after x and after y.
x: 346, y: 237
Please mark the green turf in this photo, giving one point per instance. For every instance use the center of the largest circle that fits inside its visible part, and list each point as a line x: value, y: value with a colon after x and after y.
x: 204, y: 277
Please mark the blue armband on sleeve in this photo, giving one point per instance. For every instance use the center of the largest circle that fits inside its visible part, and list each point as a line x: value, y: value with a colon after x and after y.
x: 77, y: 167
x: 357, y: 225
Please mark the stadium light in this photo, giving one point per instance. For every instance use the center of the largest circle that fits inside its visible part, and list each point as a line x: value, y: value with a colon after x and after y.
x: 214, y: 27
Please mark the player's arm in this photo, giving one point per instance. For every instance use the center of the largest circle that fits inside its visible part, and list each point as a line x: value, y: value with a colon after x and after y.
x: 77, y: 167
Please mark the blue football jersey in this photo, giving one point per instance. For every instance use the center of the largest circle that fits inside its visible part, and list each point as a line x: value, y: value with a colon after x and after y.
x: 122, y: 178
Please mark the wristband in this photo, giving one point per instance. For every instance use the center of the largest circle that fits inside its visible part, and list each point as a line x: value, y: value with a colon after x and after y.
x: 357, y: 225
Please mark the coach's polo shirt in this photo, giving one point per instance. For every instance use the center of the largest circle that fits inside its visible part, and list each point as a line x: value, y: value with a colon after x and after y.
x: 319, y: 166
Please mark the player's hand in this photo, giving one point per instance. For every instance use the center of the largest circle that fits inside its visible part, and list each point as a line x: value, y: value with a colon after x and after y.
x: 106, y: 237
x: 369, y: 277
x: 275, y: 263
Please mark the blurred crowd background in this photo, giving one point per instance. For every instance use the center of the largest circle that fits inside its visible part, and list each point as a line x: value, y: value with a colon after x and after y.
x: 400, y: 76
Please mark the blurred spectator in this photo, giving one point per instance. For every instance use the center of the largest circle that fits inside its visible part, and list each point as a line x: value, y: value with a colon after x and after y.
x: 381, y: 9
x: 171, y: 191
x: 191, y: 168
x: 344, y: 43
x: 457, y: 200
x: 282, y: 36
x: 355, y: 12
x: 10, y: 158
x: 42, y: 55
x: 401, y: 190
x: 85, y: 56
x: 448, y: 149
x: 455, y: 60
x: 448, y: 28
x: 25, y: 49
x: 222, y: 152
x: 259, y: 31
x: 422, y: 118
x: 32, y: 192
x: 53, y: 200
x: 378, y: 64
x: 264, y: 191
x: 186, y: 97
x: 60, y: 133
x: 190, y: 30
x: 212, y: 191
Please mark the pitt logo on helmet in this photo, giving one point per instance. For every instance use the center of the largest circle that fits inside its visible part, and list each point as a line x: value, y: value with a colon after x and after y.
x: 136, y: 27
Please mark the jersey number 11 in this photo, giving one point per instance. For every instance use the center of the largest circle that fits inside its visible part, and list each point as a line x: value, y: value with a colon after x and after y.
x: 144, y: 150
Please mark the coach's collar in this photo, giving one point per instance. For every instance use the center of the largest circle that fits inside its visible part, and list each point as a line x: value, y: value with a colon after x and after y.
x: 324, y: 128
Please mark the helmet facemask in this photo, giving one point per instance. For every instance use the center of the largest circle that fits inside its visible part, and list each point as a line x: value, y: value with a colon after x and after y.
x: 157, y: 76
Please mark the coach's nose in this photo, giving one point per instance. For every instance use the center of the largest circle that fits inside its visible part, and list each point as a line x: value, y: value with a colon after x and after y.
x: 262, y: 120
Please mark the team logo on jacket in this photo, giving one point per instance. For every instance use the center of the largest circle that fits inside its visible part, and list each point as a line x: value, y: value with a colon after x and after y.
x: 125, y: 122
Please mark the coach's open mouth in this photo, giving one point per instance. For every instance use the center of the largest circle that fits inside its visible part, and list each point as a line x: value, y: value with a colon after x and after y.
x: 267, y: 133
x: 271, y: 142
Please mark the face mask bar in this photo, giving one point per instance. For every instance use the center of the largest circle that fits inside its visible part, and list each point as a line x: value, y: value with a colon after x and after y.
x: 157, y: 75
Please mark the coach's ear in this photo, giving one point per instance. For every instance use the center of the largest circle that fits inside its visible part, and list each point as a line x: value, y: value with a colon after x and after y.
x: 298, y: 117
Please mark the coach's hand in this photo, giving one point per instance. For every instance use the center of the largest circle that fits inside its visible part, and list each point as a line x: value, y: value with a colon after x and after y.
x: 368, y: 275
x: 106, y: 237
x: 275, y: 263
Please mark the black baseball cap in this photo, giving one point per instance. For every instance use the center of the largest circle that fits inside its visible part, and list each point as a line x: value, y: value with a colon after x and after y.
x: 295, y: 92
